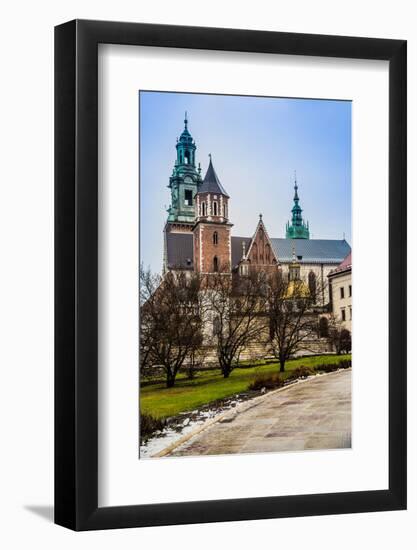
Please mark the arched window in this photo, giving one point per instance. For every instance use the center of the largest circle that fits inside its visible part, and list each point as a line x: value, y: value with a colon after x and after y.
x: 215, y: 238
x: 203, y: 209
x: 323, y: 327
x: 187, y: 157
x: 214, y: 208
x: 215, y: 264
x: 255, y: 252
x: 225, y: 210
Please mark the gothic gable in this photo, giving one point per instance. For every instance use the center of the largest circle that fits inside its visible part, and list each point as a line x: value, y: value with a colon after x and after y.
x: 261, y: 251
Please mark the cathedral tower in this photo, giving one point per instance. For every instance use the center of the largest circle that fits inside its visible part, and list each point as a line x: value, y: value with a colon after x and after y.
x: 298, y: 229
x: 212, y: 247
x: 183, y: 183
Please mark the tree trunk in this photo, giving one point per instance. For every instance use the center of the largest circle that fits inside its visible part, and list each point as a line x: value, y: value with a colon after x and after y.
x: 226, y: 370
x: 170, y: 380
x: 281, y: 365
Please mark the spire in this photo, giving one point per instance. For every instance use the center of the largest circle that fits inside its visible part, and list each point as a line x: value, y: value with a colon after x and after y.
x: 186, y: 137
x: 296, y: 198
x: 298, y: 229
x: 211, y: 183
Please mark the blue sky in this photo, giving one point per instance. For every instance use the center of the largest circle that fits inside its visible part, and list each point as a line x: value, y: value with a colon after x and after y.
x: 256, y: 145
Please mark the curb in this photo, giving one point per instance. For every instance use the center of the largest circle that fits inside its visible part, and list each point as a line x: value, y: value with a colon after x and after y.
x: 230, y: 415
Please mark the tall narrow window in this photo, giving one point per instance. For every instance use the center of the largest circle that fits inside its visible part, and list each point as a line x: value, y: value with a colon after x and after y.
x: 350, y: 291
x: 312, y: 285
x: 267, y: 253
x: 187, y: 157
x: 214, y: 208
x: 255, y: 252
x: 203, y: 209
x: 342, y: 292
x: 215, y: 264
x: 323, y: 327
x: 343, y: 312
x: 215, y: 238
x: 224, y: 211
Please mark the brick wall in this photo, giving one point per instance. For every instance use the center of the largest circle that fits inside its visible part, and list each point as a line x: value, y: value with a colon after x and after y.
x: 206, y: 248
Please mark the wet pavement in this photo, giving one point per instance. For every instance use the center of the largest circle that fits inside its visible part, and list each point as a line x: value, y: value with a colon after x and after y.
x: 313, y: 414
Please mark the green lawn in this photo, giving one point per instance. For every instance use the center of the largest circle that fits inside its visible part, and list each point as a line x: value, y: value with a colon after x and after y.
x: 162, y: 402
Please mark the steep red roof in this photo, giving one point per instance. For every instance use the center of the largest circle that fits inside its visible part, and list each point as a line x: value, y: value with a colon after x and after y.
x: 347, y: 262
x: 346, y: 265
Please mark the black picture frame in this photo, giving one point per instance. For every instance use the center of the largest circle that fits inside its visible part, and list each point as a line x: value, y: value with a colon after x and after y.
x: 76, y: 272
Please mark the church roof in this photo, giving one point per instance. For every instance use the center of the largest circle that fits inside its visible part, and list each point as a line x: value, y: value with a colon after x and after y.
x: 211, y: 183
x: 321, y: 251
x: 308, y: 251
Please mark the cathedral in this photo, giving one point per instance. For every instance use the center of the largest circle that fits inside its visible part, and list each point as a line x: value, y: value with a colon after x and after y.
x: 198, y: 232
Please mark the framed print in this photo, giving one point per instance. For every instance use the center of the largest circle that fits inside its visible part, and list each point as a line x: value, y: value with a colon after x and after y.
x: 215, y: 340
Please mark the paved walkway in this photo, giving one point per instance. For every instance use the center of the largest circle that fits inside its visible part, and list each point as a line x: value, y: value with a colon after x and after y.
x: 315, y: 414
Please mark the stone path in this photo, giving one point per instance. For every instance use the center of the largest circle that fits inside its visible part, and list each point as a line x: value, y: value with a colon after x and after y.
x: 315, y: 414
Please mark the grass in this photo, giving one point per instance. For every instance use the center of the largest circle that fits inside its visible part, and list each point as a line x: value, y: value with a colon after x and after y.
x: 208, y: 386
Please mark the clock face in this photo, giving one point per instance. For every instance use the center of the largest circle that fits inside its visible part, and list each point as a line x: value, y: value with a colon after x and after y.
x: 188, y: 179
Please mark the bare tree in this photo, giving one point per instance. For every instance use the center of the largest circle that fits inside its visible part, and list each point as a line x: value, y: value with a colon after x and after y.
x: 237, y: 306
x: 292, y: 321
x: 170, y: 321
x: 339, y: 336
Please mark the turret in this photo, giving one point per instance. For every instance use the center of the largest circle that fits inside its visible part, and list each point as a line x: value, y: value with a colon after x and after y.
x: 212, y: 248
